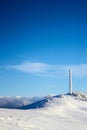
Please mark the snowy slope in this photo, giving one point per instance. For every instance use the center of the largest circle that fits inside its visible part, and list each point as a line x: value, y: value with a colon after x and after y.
x: 60, y: 113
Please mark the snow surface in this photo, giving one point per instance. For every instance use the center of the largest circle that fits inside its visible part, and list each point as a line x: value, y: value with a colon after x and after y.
x: 64, y: 113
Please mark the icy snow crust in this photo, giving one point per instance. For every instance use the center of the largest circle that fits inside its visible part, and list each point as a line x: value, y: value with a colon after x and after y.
x: 67, y: 112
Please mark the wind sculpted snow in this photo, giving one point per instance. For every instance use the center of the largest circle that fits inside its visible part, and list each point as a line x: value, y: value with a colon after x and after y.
x: 65, y: 113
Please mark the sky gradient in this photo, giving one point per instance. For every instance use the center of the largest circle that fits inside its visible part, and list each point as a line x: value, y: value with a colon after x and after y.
x: 39, y: 41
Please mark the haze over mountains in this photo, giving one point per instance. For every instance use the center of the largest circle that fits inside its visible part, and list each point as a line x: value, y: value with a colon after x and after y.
x: 17, y: 101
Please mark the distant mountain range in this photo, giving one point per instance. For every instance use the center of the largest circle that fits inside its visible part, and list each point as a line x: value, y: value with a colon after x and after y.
x: 17, y: 102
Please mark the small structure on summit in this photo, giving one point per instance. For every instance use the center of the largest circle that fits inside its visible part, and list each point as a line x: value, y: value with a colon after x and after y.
x: 70, y: 81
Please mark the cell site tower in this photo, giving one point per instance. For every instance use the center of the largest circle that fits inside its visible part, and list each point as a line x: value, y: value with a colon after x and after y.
x: 70, y: 81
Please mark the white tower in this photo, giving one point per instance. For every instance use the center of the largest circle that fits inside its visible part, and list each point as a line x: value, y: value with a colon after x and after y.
x: 70, y: 81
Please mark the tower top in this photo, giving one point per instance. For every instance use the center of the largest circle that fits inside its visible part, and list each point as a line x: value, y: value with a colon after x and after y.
x: 70, y: 70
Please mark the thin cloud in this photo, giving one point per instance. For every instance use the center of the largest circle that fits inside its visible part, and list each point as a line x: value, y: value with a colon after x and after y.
x: 30, y: 67
x: 43, y: 69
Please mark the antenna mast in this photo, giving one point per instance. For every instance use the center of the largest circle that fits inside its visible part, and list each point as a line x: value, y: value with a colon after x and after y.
x: 70, y: 81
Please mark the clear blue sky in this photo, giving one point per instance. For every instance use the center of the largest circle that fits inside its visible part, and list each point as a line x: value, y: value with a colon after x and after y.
x: 39, y: 41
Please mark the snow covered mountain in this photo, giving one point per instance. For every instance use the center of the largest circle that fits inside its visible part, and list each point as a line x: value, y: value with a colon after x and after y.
x: 63, y: 112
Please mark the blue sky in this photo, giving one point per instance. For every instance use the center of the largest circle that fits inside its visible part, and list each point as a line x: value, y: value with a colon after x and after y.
x: 39, y: 41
